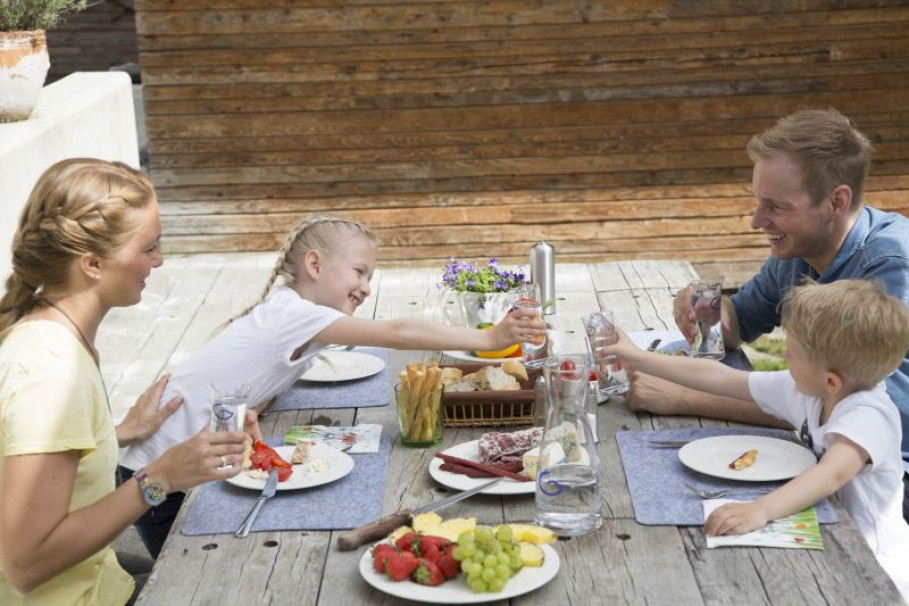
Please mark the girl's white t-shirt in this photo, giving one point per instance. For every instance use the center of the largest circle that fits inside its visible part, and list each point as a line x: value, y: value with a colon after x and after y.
x: 874, y: 496
x: 255, y: 349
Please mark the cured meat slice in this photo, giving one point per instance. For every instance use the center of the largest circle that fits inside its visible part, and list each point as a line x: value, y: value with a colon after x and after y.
x: 495, y: 447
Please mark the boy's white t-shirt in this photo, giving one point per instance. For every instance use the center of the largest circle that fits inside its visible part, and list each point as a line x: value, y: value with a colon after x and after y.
x: 256, y: 349
x: 874, y: 496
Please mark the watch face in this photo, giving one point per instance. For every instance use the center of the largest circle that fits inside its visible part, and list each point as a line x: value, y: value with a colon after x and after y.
x: 154, y: 494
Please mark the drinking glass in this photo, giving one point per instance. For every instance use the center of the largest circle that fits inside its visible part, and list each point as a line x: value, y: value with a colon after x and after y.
x: 706, y: 300
x: 601, y: 332
x: 229, y: 401
x: 528, y: 297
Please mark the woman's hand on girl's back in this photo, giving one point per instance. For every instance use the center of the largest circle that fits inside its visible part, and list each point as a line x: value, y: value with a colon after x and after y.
x: 145, y: 417
x: 199, y: 459
x: 517, y: 326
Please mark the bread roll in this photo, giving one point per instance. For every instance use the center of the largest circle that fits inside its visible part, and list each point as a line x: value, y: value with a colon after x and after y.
x: 451, y: 375
x: 516, y: 369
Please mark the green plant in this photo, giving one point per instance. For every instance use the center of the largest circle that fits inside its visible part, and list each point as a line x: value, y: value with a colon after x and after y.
x: 27, y: 15
x: 471, y: 277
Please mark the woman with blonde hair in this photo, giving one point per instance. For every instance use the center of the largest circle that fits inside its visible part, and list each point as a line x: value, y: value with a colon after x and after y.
x: 86, y: 241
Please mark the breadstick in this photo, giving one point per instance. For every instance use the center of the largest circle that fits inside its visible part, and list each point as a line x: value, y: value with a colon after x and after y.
x: 404, y: 405
x: 432, y: 375
x: 416, y: 389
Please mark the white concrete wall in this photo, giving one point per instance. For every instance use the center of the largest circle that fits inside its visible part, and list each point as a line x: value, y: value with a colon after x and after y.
x: 86, y: 114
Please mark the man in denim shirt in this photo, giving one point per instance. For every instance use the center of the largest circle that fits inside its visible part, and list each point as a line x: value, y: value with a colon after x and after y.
x: 809, y: 174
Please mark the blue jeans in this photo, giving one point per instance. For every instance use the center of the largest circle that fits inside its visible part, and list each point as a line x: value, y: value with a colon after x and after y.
x: 154, y: 525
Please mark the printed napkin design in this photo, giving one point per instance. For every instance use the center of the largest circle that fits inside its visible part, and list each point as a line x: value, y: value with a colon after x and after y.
x: 797, y: 531
x: 362, y: 439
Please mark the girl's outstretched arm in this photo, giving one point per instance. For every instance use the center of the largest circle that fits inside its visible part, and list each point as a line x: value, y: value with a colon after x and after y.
x: 839, y: 464
x: 412, y: 333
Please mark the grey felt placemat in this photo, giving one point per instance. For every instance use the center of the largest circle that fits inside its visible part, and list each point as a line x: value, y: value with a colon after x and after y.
x: 359, y: 393
x: 352, y: 501
x: 655, y: 476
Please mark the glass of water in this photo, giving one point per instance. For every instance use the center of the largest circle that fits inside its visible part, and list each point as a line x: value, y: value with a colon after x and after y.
x: 528, y: 297
x: 706, y: 300
x: 229, y: 401
x: 601, y: 332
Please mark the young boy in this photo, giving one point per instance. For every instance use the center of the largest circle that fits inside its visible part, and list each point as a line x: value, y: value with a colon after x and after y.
x: 843, y: 338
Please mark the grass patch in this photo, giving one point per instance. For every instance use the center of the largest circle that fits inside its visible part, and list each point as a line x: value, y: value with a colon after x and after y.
x: 769, y: 346
x: 767, y: 364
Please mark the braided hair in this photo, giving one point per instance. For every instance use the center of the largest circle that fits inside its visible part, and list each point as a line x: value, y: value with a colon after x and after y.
x: 322, y: 232
x: 78, y: 206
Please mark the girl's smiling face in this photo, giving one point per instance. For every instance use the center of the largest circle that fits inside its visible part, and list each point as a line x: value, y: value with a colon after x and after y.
x: 341, y: 279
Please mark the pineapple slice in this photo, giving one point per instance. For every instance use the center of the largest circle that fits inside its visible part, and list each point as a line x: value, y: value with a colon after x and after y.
x: 531, y: 555
x: 431, y: 523
x: 426, y: 523
x: 532, y: 534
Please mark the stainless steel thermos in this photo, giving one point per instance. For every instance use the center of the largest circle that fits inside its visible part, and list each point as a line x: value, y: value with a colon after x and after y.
x: 542, y: 272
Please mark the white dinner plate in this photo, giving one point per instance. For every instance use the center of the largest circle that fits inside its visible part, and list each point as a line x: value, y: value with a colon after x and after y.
x: 458, y: 481
x: 456, y: 591
x: 560, y: 344
x: 343, y: 366
x: 776, y: 459
x: 339, y: 465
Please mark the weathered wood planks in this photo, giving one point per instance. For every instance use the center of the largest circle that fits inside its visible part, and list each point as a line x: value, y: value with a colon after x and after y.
x: 503, y: 122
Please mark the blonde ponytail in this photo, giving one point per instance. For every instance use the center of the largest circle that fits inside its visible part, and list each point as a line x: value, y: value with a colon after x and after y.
x: 325, y: 233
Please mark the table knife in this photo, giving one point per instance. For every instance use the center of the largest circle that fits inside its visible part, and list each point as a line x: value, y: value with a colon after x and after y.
x: 381, y: 528
x: 271, y: 485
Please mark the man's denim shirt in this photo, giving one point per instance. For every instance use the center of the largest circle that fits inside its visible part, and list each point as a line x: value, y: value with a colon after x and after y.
x: 876, y: 248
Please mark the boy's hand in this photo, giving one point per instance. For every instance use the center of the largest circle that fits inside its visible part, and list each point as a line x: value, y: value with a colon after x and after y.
x: 735, y: 518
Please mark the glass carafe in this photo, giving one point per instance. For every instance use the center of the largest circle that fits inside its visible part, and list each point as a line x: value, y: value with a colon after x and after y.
x: 568, y: 497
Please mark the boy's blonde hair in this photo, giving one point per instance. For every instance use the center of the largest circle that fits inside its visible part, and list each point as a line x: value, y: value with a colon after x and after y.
x: 825, y: 145
x: 78, y: 206
x: 322, y: 232
x: 852, y: 327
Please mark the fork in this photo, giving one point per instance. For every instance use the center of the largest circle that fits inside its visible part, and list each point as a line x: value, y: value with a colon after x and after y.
x: 716, y: 494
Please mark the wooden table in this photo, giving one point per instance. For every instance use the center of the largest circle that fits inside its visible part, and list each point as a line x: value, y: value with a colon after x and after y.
x: 624, y: 562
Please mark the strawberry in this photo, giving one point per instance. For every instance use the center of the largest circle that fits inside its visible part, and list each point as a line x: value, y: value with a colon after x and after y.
x: 437, y: 541
x: 428, y: 546
x: 379, y: 554
x: 405, y: 542
x: 450, y: 567
x: 430, y: 551
x: 427, y: 573
x: 400, y: 565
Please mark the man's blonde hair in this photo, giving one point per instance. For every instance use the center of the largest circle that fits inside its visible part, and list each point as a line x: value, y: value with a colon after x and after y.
x: 852, y: 327
x: 825, y: 145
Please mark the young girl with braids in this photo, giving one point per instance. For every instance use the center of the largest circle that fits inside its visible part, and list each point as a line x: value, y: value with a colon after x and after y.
x: 86, y: 241
x: 325, y: 267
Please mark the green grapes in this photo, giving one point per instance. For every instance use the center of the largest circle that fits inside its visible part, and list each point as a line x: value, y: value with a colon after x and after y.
x: 488, y: 558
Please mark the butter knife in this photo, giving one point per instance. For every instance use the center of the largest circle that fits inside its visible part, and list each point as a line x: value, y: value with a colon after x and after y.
x: 381, y: 528
x: 271, y: 485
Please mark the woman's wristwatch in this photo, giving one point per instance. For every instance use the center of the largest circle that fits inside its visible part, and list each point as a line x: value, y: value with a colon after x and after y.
x: 152, y: 490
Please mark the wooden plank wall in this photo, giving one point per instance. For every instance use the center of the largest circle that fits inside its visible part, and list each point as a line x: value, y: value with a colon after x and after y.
x: 613, y: 129
x: 102, y: 36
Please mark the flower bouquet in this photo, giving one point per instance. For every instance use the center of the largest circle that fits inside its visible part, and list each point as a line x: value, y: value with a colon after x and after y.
x: 479, y: 296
